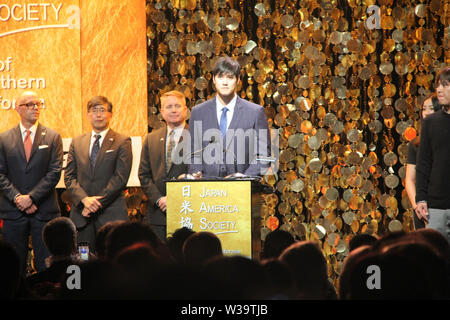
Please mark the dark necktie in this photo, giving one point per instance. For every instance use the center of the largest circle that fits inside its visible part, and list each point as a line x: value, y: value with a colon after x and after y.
x: 223, y: 122
x: 170, y: 147
x: 94, y: 151
x: 27, y: 145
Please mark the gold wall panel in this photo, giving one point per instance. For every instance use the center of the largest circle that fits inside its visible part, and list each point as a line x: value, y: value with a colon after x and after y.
x: 106, y: 57
x: 114, y: 61
x: 42, y: 41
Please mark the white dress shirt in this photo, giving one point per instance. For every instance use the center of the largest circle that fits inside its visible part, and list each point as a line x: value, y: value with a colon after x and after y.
x: 178, y: 131
x: 23, y: 131
x: 93, y: 134
x: 230, y: 112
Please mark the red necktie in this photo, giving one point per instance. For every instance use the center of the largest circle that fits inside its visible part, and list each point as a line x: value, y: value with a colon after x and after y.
x: 27, y: 144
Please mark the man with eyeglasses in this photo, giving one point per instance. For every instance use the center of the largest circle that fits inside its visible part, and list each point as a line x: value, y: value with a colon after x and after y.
x: 31, y: 157
x: 159, y: 150
x: 97, y: 172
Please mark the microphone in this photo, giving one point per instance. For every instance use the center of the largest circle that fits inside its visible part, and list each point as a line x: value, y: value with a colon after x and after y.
x: 237, y: 175
x: 189, y: 155
x: 189, y: 176
x: 265, y: 159
x: 212, y: 140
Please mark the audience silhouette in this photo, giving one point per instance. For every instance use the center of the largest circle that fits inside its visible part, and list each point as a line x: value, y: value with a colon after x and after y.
x: 176, y: 241
x: 102, y: 233
x: 275, y: 242
x: 309, y: 267
x: 60, y: 238
x: 360, y: 240
x: 10, y: 277
x: 131, y: 262
x: 397, y: 266
x: 200, y: 247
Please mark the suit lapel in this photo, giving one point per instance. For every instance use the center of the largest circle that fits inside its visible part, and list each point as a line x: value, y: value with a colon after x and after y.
x: 178, y: 148
x: 85, y: 145
x: 19, y: 142
x: 238, y: 114
x: 106, y: 145
x: 162, y: 148
x: 213, y: 114
x: 40, y: 132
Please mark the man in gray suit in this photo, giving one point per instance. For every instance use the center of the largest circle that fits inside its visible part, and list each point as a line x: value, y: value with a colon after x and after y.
x: 98, y: 168
x: 159, y: 150
x: 31, y: 157
x: 228, y: 133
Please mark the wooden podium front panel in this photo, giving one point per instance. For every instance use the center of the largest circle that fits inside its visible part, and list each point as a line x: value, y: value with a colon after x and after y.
x: 219, y: 207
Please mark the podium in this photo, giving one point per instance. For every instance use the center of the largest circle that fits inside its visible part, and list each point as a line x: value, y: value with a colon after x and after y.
x: 229, y: 208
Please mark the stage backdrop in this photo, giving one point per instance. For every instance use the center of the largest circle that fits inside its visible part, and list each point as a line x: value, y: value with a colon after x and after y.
x: 69, y: 51
x: 341, y: 81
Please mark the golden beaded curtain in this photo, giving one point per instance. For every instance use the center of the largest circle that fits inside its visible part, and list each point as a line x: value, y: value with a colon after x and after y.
x: 342, y: 81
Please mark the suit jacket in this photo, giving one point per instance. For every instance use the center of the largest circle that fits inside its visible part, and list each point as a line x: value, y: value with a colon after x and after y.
x: 108, y: 179
x: 152, y: 170
x: 36, y: 178
x: 247, y: 137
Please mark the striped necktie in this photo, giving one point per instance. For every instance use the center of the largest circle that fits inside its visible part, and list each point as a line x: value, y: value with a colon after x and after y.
x: 95, y: 150
x: 170, y: 147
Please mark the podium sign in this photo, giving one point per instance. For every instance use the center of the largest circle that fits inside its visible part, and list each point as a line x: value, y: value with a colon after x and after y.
x: 219, y: 207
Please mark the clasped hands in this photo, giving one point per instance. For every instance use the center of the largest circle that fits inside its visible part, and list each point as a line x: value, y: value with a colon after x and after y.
x: 91, y: 205
x: 25, y: 203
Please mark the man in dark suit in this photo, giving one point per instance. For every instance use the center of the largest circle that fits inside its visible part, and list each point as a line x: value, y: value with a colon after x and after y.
x: 31, y: 157
x: 97, y: 172
x: 229, y: 135
x: 161, y: 158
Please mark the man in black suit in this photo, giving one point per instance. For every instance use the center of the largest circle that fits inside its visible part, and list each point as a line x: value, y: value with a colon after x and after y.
x: 161, y: 158
x: 31, y: 157
x: 97, y: 172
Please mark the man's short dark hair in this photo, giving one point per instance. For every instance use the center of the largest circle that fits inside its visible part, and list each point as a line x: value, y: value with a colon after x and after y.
x: 99, y: 100
x: 226, y: 65
x: 59, y: 236
x: 443, y: 77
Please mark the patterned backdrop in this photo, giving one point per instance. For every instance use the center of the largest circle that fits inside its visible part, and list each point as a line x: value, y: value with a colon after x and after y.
x: 342, y: 81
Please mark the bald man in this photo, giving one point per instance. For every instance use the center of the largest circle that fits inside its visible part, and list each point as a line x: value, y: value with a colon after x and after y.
x: 31, y: 158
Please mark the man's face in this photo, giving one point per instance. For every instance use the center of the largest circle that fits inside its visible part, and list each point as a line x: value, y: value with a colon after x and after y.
x: 99, y: 117
x: 28, y: 106
x: 173, y: 110
x: 443, y: 93
x: 225, y: 83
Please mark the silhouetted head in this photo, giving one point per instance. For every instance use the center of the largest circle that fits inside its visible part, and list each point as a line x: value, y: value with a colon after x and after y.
x: 275, y: 243
x: 200, y: 247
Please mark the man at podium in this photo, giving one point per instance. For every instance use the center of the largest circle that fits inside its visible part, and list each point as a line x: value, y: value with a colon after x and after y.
x: 228, y: 134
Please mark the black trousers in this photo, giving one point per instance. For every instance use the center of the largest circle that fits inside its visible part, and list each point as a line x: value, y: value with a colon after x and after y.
x: 17, y: 232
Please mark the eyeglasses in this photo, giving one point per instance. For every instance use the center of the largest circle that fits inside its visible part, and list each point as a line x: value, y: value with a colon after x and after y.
x: 98, y: 110
x: 31, y: 105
